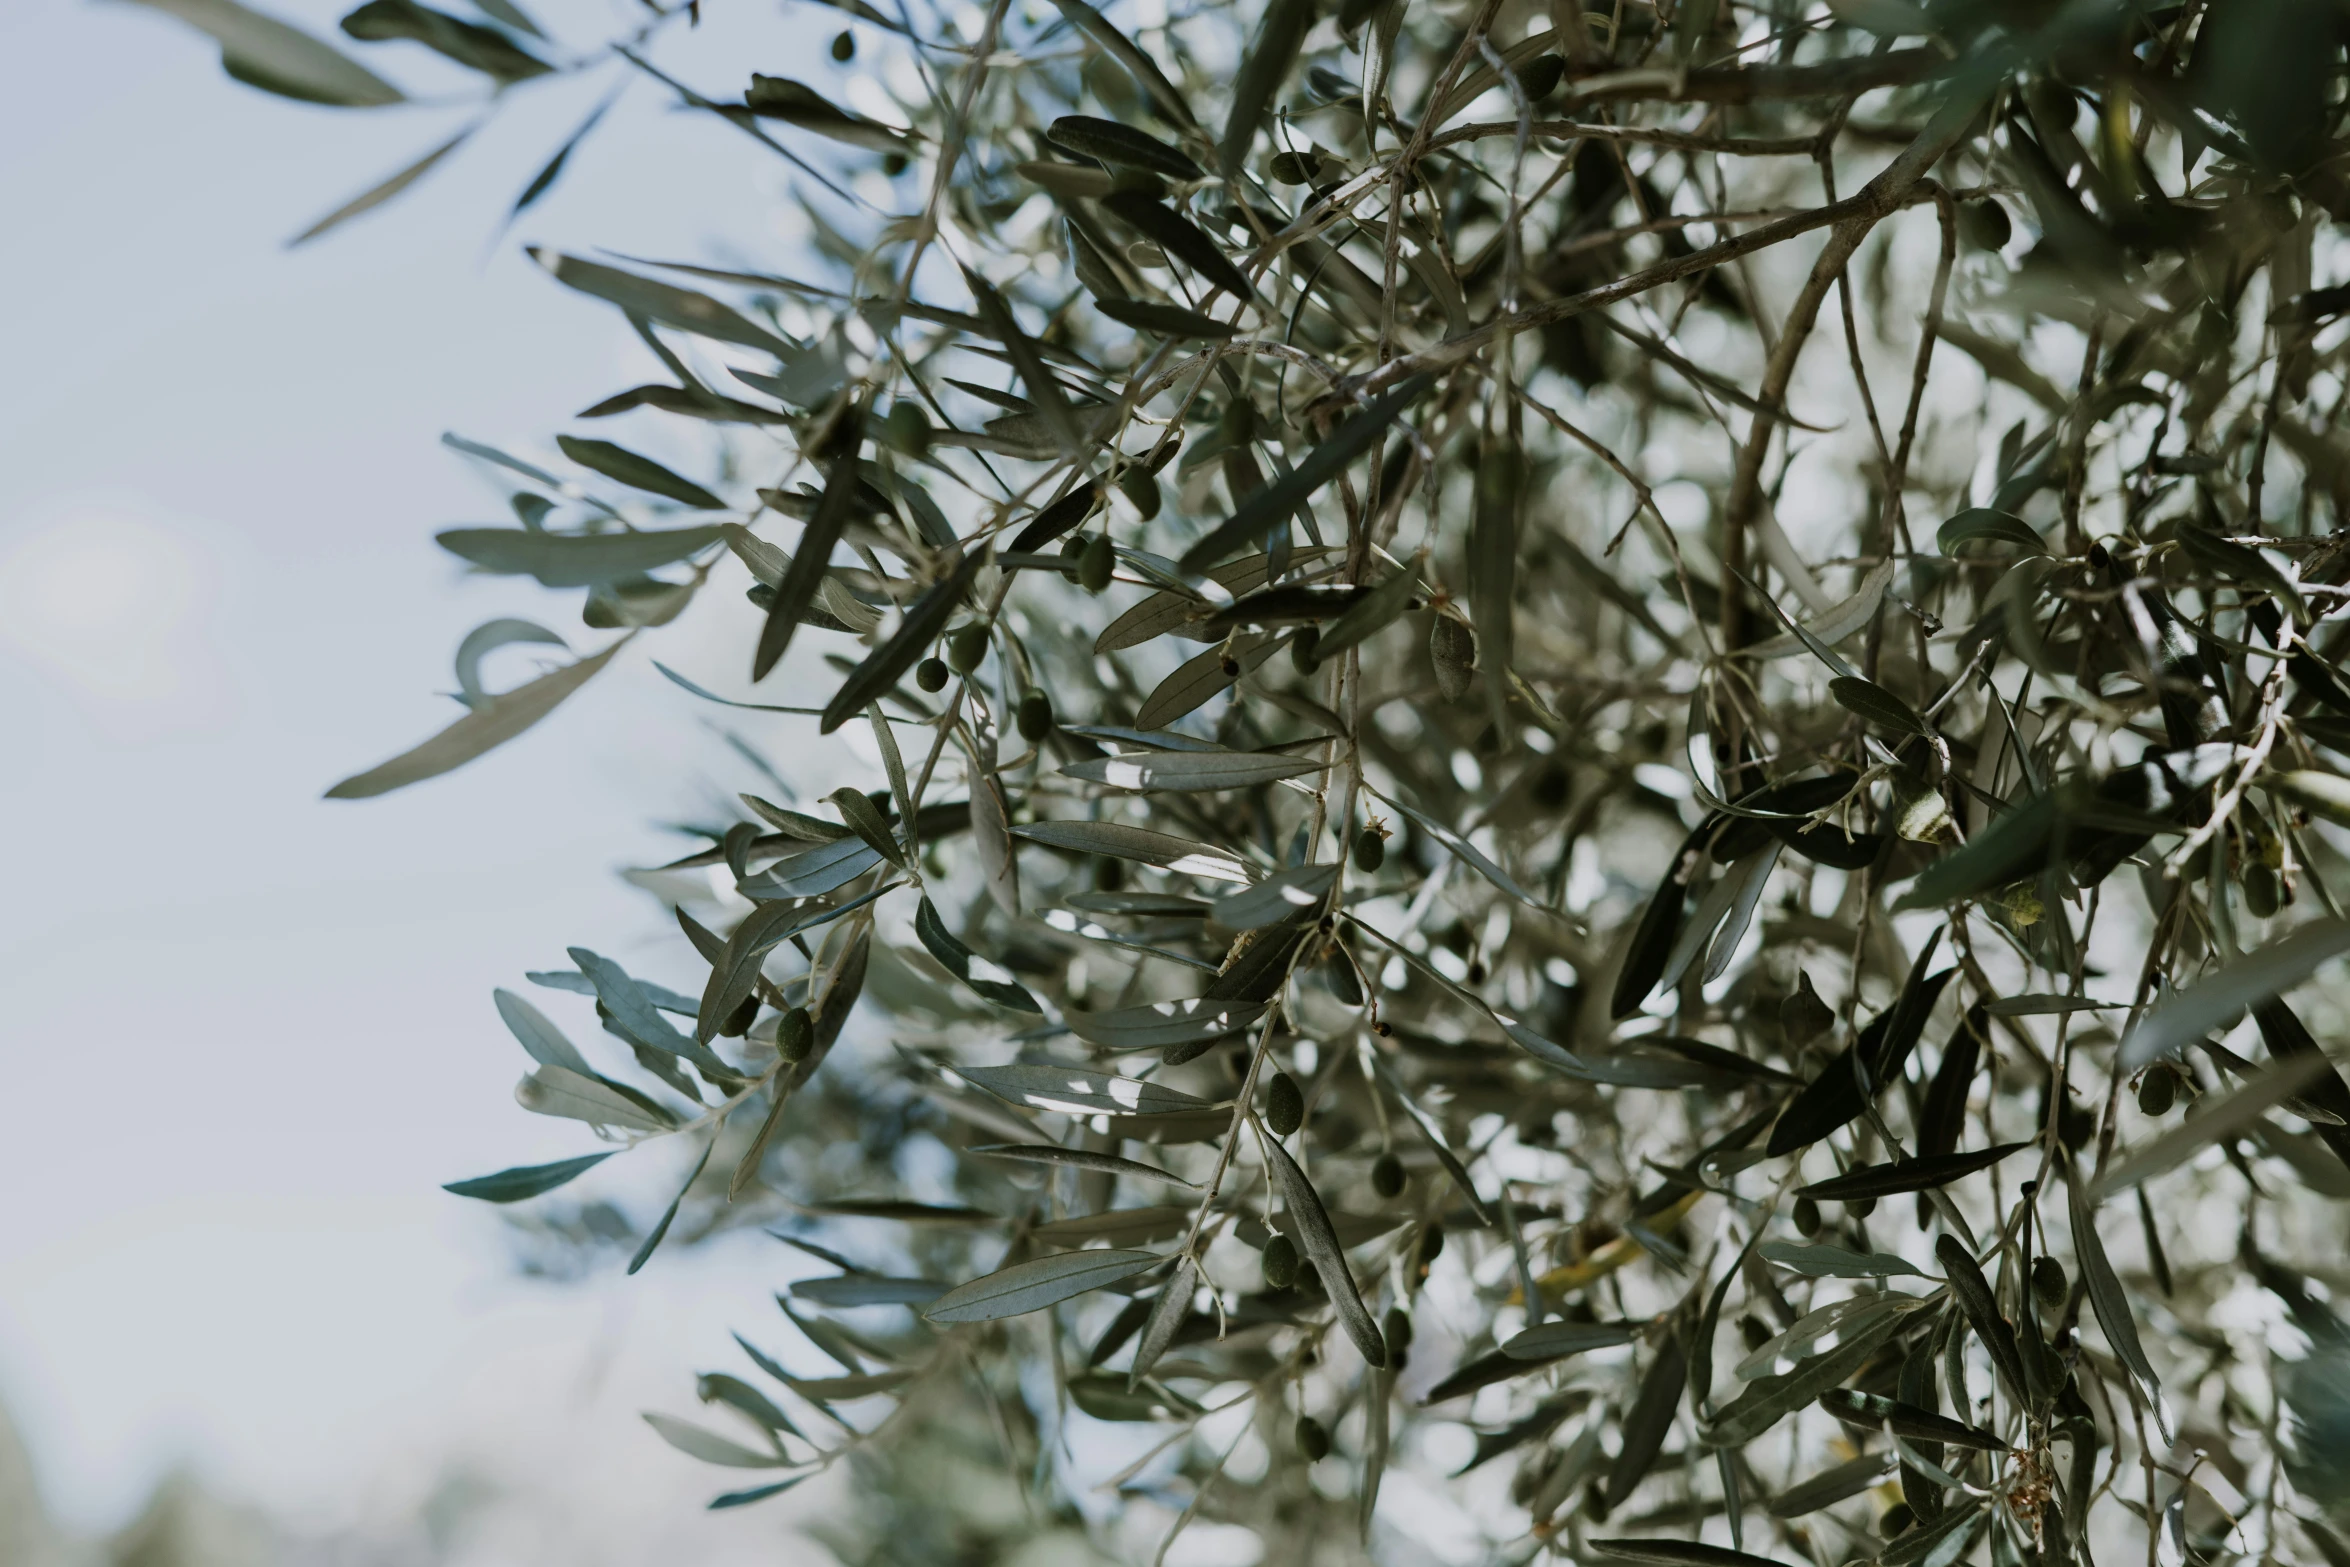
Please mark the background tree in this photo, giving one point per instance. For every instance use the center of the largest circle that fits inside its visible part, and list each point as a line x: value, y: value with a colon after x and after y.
x: 1485, y: 883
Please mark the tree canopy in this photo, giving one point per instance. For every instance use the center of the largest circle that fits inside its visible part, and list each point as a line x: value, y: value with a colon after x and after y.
x: 1603, y: 752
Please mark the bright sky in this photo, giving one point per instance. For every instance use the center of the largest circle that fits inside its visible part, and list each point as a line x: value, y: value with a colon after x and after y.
x: 248, y: 1032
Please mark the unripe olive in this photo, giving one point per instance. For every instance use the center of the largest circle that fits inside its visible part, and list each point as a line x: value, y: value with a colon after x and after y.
x: 967, y: 648
x: 2261, y: 893
x: 844, y: 47
x: 1807, y: 1217
x: 739, y: 1021
x: 1897, y: 1520
x: 1370, y: 851
x: 1280, y: 1263
x: 1861, y: 1207
x: 931, y: 675
x: 1396, y: 1329
x: 2156, y: 1091
x: 1539, y: 78
x: 894, y: 164
x: 1387, y: 1175
x: 1141, y: 487
x: 795, y: 1035
x: 1312, y: 1439
x: 1285, y: 1105
x: 1035, y: 716
x: 2049, y: 1285
x: 1294, y: 168
x: 1986, y: 223
x: 1754, y: 1331
x: 907, y: 428
x: 1096, y: 564
x: 1301, y: 649
x: 1072, y: 547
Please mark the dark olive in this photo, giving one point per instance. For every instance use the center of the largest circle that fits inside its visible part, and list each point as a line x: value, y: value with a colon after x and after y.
x: 967, y: 648
x: 739, y: 1021
x: 931, y: 674
x: 1387, y: 1175
x: 1096, y: 564
x: 1370, y: 850
x: 1807, y: 1217
x: 1280, y: 1263
x: 1312, y: 1439
x: 2049, y: 1285
x: 795, y: 1035
x: 844, y: 46
x: 1035, y: 716
x: 1285, y: 1105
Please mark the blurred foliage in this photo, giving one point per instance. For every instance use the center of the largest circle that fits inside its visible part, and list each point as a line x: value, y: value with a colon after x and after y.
x: 1477, y: 879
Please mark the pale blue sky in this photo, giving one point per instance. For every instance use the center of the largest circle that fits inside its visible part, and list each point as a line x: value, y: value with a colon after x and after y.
x: 247, y: 1032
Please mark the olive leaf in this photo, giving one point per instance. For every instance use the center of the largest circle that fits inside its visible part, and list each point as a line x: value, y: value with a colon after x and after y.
x: 1037, y: 1283
x: 1310, y: 1221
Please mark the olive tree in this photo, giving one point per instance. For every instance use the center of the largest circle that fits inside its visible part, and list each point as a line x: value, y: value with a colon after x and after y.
x: 1602, y: 749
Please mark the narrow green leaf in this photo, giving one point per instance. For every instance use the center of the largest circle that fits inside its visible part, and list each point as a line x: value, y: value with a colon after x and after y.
x: 1107, y: 141
x: 1191, y: 770
x: 1864, y: 1182
x: 1835, y: 1262
x: 1140, y: 66
x: 1314, y: 1236
x: 2012, y: 847
x: 1179, y: 237
x: 1282, y: 896
x: 1369, y: 616
x: 620, y: 464
x: 1996, y: 526
x: 711, y: 1448
x: 525, y: 1180
x: 1876, y: 704
x: 879, y: 675
x: 654, y: 1237
x: 2104, y: 1288
x: 1044, y: 388
x: 1037, y: 1283
x: 575, y: 560
x: 1768, y: 1400
x: 1079, y: 1091
x: 1830, y: 1486
x: 1254, y: 517
x: 956, y: 959
x: 2216, y: 1002
x: 263, y: 52
x: 683, y: 308
x: 487, y: 727
x: 801, y: 106
x: 2232, y: 1116
x: 484, y: 639
x: 1500, y: 496
x: 1077, y: 1159
x: 1263, y: 68
x: 1678, y: 1553
x: 1551, y: 1340
x: 1139, y: 844
x: 864, y: 819
x: 384, y: 190
x: 559, y: 1091
x: 1650, y: 1419
x: 1167, y: 320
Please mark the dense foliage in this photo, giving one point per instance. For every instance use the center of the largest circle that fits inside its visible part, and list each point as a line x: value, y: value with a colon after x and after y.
x: 1496, y: 911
